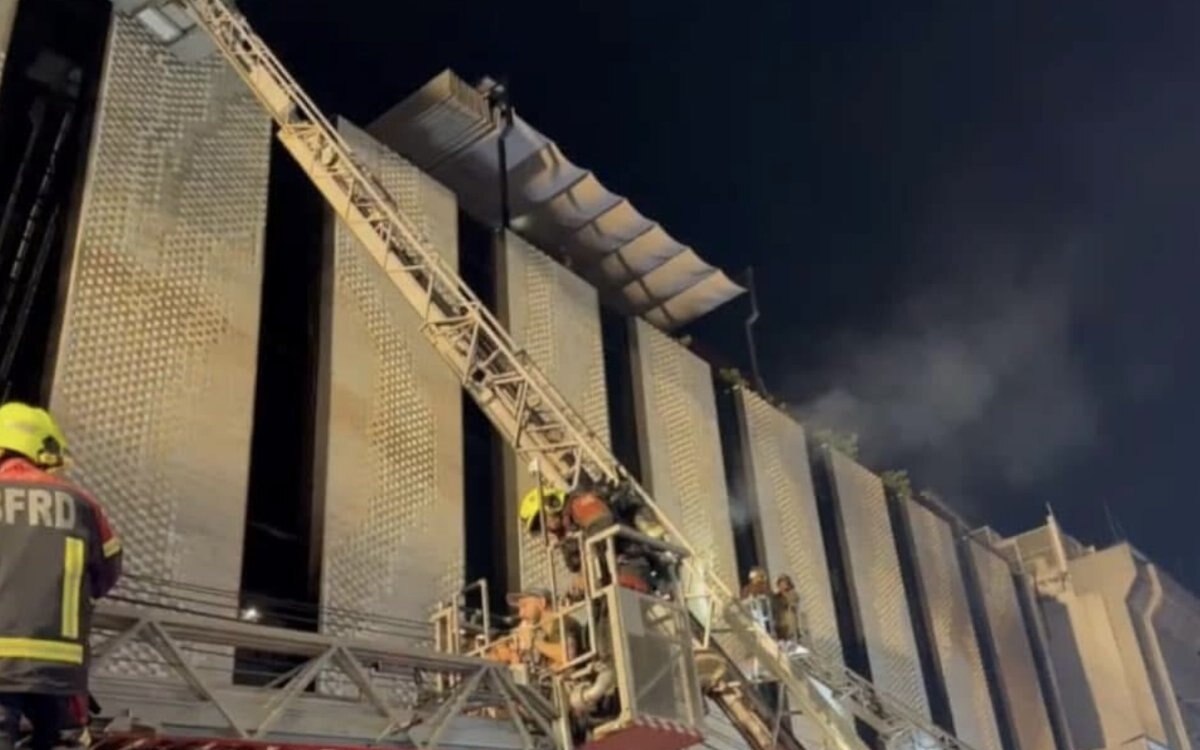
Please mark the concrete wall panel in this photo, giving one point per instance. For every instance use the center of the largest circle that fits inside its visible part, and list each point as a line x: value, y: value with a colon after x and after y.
x: 1017, y: 672
x: 555, y: 316
x: 154, y: 379
x: 1121, y: 676
x: 955, y: 645
x: 393, y: 498
x: 1174, y: 625
x: 878, y: 588
x: 782, y: 486
x: 681, y: 447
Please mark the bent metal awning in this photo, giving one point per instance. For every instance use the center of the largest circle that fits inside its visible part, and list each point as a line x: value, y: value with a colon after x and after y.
x: 448, y: 130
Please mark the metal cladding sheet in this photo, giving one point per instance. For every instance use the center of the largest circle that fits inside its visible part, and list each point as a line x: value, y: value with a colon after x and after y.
x: 1017, y: 673
x: 446, y: 127
x: 154, y: 379
x: 955, y: 645
x: 878, y: 588
x: 787, y: 509
x: 681, y: 447
x: 393, y: 499
x: 555, y: 317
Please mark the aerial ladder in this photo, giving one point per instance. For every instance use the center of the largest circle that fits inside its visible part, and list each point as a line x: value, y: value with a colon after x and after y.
x: 518, y: 399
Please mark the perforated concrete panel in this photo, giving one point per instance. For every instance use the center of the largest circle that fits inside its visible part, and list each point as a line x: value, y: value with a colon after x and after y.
x: 878, y: 589
x: 681, y: 448
x: 1017, y: 673
x: 393, y: 502
x: 955, y: 645
x: 782, y: 487
x: 154, y: 380
x: 555, y: 316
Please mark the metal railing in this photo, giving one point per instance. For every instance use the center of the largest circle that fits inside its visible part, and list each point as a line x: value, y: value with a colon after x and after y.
x: 373, y: 666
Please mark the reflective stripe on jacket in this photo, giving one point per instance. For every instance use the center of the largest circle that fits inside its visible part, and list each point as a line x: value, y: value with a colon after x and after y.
x: 57, y: 554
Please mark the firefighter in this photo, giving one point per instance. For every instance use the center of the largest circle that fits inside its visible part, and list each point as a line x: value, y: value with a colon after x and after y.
x: 757, y: 596
x: 591, y: 510
x: 786, y: 609
x: 542, y: 635
x: 57, y: 554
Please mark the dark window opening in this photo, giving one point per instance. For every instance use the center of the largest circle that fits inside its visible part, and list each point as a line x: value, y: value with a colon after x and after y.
x: 281, y: 558
x: 483, y: 501
x: 47, y: 105
x: 743, y: 506
x: 616, y: 339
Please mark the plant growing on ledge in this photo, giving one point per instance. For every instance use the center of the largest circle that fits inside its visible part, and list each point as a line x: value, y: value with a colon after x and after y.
x: 897, y: 483
x: 845, y: 443
x: 732, y: 377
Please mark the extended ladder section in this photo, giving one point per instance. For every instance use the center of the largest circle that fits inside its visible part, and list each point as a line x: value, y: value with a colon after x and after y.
x: 517, y: 397
x: 762, y: 726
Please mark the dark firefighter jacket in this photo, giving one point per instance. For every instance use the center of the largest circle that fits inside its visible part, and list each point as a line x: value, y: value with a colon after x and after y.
x: 57, y: 554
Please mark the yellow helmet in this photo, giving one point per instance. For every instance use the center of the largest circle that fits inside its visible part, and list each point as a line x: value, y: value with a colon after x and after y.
x: 531, y: 505
x: 31, y: 432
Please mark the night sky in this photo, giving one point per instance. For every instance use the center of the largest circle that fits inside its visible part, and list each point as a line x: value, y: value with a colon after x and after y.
x: 973, y: 223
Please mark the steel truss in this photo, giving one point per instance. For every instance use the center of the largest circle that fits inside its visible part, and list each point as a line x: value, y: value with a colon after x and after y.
x: 517, y: 397
x: 370, y: 666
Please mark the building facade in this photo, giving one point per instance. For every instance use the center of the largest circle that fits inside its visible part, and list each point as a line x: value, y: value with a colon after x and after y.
x: 1035, y: 642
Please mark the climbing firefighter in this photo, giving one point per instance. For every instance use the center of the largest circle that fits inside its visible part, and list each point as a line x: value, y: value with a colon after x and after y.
x: 57, y: 554
x: 590, y: 509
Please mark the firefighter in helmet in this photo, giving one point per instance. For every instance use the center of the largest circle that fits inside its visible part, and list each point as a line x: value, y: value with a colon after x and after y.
x: 591, y: 510
x: 57, y: 554
x: 756, y: 595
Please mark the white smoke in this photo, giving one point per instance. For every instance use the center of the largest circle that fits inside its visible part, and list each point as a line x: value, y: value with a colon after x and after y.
x: 974, y: 381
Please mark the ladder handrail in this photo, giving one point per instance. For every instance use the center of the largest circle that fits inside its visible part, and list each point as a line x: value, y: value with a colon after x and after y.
x: 518, y: 398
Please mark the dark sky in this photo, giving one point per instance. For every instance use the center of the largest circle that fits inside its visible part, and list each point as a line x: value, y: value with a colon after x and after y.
x: 974, y: 223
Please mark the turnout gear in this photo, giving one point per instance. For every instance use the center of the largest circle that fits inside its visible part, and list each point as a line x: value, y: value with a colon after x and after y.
x: 535, y: 500
x: 786, y: 608
x: 57, y: 554
x: 757, y: 584
x: 590, y: 509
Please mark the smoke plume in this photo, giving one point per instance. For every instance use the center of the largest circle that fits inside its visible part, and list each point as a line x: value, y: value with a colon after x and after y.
x: 974, y: 381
